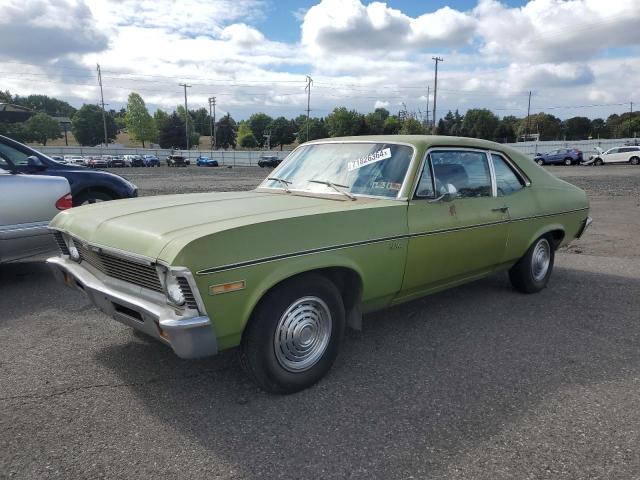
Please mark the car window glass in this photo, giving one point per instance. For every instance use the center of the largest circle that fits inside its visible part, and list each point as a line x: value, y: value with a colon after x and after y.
x: 507, y: 181
x: 13, y: 155
x: 466, y: 171
x: 425, y: 185
x: 613, y: 150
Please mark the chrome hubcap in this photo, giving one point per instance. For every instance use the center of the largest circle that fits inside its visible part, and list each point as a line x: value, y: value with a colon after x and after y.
x: 541, y: 259
x: 302, y: 334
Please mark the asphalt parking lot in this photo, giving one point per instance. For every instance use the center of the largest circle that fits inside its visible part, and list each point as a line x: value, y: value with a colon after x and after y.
x: 475, y: 382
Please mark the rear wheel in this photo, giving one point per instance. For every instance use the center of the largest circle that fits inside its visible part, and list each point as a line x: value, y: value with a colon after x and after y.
x: 634, y: 160
x: 531, y: 273
x: 568, y: 162
x: 293, y: 336
x: 540, y: 162
x: 87, y: 198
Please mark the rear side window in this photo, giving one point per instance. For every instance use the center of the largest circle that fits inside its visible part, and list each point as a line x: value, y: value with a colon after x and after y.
x: 507, y: 181
x: 466, y: 171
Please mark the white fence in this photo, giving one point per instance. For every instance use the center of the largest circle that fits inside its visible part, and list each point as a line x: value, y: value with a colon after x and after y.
x: 251, y: 157
x: 587, y: 146
x: 224, y: 157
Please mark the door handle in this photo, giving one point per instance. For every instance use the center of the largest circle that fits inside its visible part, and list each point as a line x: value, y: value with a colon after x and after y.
x: 500, y: 209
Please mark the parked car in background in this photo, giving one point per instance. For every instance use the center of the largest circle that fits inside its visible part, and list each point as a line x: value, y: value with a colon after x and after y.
x: 99, y: 162
x: 206, y: 162
x: 150, y: 161
x: 59, y: 159
x: 133, y: 161
x: 269, y: 161
x: 116, y: 162
x: 27, y: 205
x: 562, y: 156
x: 75, y: 160
x: 342, y: 227
x: 628, y: 154
x: 86, y: 186
x: 176, y: 161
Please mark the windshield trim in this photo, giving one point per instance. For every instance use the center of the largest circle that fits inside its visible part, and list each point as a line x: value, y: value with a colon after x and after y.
x: 402, y: 191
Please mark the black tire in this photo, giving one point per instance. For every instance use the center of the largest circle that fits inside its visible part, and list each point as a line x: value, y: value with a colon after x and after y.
x: 540, y: 161
x: 90, y: 197
x: 258, y: 348
x: 568, y: 162
x: 523, y: 274
x: 598, y: 162
x: 634, y: 160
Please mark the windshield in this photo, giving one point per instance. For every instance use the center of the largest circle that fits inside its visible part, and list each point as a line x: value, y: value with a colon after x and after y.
x: 375, y: 169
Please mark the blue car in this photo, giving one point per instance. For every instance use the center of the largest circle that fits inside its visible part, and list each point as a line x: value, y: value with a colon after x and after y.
x: 562, y: 156
x: 150, y: 161
x: 87, y: 185
x: 206, y: 162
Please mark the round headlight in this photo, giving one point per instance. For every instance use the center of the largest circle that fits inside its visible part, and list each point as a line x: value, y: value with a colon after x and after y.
x: 175, y: 294
x: 74, y: 253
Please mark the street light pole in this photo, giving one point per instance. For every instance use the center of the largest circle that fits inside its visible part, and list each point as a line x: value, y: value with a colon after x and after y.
x: 186, y: 114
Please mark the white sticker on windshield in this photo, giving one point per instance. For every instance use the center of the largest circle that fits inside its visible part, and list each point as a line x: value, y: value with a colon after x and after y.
x: 369, y: 159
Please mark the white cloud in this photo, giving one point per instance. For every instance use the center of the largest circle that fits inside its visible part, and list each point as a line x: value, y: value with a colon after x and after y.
x: 381, y: 104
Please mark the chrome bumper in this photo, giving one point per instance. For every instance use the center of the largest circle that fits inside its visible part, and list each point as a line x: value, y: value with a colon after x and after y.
x: 587, y: 223
x: 188, y: 337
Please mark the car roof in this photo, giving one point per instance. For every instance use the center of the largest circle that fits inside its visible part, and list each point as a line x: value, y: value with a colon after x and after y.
x: 419, y: 141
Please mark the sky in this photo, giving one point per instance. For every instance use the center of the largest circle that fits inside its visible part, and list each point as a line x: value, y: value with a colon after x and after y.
x: 577, y: 57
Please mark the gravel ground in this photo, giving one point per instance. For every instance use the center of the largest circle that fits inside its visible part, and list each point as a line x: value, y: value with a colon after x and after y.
x: 474, y: 382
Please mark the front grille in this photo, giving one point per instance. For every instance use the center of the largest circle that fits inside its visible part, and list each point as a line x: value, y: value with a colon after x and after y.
x: 139, y: 274
x: 189, y: 298
x: 61, y: 243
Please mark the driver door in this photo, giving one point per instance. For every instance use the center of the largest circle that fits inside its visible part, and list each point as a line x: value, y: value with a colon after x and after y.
x: 454, y: 236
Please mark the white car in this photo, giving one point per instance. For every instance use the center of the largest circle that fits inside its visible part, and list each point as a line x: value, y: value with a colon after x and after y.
x: 74, y: 159
x: 627, y: 154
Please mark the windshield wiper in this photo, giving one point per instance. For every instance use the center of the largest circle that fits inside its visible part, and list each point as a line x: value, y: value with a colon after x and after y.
x: 335, y: 187
x: 286, y: 183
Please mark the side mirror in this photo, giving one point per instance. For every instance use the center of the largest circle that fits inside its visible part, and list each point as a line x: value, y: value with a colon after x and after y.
x: 448, y: 196
x: 34, y: 164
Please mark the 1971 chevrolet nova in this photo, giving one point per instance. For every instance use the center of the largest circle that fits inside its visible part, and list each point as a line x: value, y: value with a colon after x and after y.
x: 342, y: 227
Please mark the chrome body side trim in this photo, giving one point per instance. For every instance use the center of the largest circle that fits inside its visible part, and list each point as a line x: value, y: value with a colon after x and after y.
x: 9, y: 232
x: 189, y: 335
x: 247, y: 263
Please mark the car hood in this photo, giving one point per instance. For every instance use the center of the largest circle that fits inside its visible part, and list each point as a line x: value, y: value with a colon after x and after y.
x: 147, y: 225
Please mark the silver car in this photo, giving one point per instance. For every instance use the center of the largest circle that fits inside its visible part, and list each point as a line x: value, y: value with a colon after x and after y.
x: 27, y: 204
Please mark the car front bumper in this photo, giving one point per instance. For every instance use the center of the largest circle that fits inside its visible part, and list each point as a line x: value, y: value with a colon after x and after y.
x: 585, y: 225
x: 188, y: 337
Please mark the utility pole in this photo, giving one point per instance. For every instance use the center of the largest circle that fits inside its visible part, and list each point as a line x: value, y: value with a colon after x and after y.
x: 212, y: 119
x: 308, y: 90
x: 427, y: 123
x: 186, y: 113
x: 435, y: 91
x: 630, y: 117
x: 104, y: 117
x: 526, y: 128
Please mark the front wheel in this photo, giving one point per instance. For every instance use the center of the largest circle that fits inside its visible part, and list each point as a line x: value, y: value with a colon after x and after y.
x: 531, y: 273
x: 598, y: 162
x: 293, y: 335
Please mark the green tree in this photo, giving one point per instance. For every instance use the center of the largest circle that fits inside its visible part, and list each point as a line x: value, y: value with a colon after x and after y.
x: 451, y: 124
x: 317, y: 129
x: 246, y: 138
x: 87, y: 126
x: 226, y: 132
x: 140, y: 124
x: 577, y: 128
x: 5, y: 97
x: 194, y: 136
x: 548, y: 126
x: 505, y: 133
x: 282, y: 132
x: 599, y: 129
x: 628, y: 128
x: 41, y: 127
x: 45, y: 104
x: 376, y: 120
x: 201, y: 121
x: 411, y: 126
x: 343, y: 123
x: 480, y: 123
x: 259, y: 123
x: 391, y: 125
x: 171, y: 130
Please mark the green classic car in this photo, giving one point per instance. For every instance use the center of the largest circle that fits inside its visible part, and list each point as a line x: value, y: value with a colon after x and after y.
x: 342, y: 227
